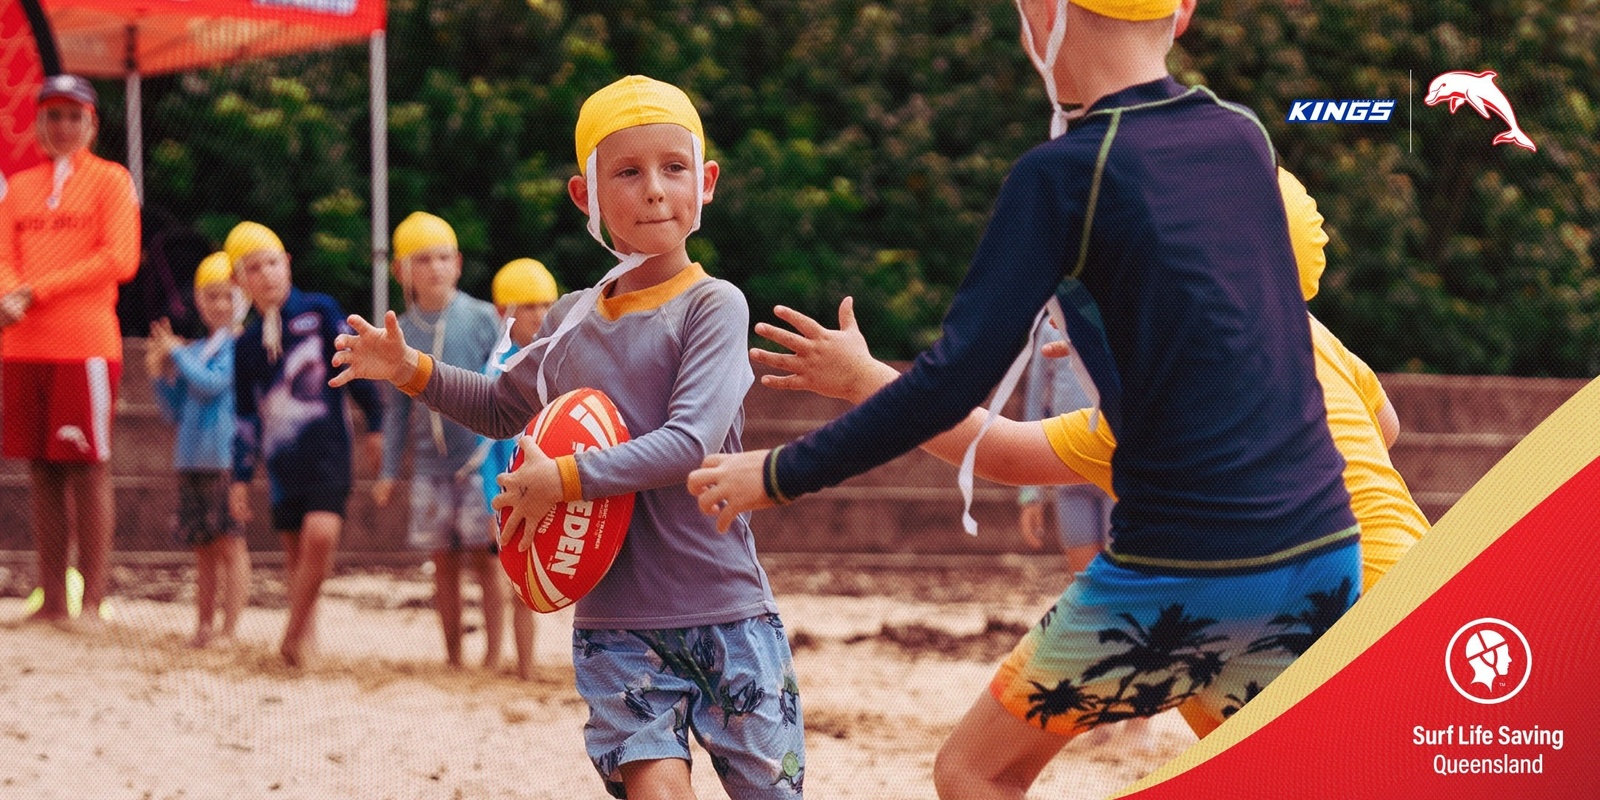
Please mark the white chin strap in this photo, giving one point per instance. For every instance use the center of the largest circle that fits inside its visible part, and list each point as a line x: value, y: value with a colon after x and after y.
x: 1046, y: 65
x: 1008, y: 384
x: 625, y: 263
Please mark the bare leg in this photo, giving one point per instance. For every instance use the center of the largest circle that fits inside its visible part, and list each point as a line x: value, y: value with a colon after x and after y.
x: 50, y: 537
x: 659, y: 779
x: 447, y: 601
x: 522, y: 627
x: 992, y: 755
x: 235, y: 554
x: 319, y: 536
x: 206, y: 557
x: 91, y: 484
x: 492, y: 580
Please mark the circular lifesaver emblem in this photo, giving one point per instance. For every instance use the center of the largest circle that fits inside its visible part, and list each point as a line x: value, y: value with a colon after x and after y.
x: 1488, y: 661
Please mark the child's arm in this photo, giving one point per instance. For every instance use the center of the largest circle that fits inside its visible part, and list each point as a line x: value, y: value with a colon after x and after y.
x: 1388, y: 423
x: 836, y: 363
x: 205, y: 381
x: 496, y: 407
x: 247, y: 431
x: 168, y: 392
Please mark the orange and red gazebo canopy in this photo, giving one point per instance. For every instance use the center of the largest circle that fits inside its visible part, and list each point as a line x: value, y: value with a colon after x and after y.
x: 110, y: 38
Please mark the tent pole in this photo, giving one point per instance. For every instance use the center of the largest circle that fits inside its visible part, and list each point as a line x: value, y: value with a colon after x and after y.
x: 379, y: 110
x: 133, y: 94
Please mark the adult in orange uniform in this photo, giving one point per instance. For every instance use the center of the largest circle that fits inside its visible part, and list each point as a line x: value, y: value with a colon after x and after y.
x: 69, y: 234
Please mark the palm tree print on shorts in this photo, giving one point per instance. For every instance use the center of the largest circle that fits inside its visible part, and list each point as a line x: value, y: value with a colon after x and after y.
x: 1173, y: 645
x: 1324, y: 609
x: 1065, y: 698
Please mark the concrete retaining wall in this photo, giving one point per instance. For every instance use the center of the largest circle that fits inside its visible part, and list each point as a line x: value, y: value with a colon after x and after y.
x: 1455, y: 429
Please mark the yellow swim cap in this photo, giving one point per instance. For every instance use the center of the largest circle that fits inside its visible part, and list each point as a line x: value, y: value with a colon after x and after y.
x: 250, y: 237
x: 523, y: 282
x: 1305, y: 232
x: 421, y: 231
x: 1130, y: 10
x: 215, y: 268
x: 629, y: 103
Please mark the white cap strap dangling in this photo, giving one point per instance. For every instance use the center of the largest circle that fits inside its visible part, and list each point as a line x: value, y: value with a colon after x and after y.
x: 1046, y: 65
x: 590, y: 297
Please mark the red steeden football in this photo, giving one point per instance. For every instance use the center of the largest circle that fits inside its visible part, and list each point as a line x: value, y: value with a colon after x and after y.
x: 575, y: 544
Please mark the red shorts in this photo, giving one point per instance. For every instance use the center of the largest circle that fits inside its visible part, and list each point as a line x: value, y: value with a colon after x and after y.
x: 59, y: 410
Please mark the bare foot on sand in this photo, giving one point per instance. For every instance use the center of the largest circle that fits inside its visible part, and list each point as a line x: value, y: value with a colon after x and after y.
x: 86, y: 624
x: 202, y: 638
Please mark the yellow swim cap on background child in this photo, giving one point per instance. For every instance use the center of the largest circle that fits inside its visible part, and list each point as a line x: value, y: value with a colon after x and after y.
x: 215, y: 268
x: 524, y: 282
x: 250, y: 237
x: 420, y: 231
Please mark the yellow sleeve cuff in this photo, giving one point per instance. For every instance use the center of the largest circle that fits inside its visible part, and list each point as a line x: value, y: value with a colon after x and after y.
x: 571, y: 484
x: 419, y: 379
x: 1087, y: 452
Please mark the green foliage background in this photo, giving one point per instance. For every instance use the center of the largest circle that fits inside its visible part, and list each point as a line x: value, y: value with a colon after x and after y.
x: 863, y: 142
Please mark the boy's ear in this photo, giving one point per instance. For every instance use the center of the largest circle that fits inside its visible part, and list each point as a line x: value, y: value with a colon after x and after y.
x: 712, y: 170
x: 578, y: 190
x: 1185, y: 13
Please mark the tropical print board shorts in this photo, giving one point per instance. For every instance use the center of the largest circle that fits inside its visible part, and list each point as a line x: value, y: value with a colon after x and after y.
x: 732, y: 685
x: 1121, y: 644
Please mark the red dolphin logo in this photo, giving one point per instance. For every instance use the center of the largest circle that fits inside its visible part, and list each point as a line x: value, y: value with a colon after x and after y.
x: 1478, y: 90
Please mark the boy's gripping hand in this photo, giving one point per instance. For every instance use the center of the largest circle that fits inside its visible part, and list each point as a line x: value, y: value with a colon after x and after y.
x: 729, y: 484
x: 529, y: 491
x: 832, y: 363
x: 375, y: 353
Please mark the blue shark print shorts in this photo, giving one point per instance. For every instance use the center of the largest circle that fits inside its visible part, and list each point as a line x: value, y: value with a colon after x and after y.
x: 731, y: 685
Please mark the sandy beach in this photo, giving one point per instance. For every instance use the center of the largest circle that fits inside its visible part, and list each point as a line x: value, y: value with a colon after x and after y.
x: 889, y: 658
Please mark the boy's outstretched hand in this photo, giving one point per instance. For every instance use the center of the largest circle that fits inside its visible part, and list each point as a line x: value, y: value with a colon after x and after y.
x: 530, y: 491
x: 372, y: 352
x: 832, y: 363
x: 729, y: 484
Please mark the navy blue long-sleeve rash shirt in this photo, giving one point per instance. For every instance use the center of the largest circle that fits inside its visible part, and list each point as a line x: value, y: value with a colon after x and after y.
x: 1157, y: 218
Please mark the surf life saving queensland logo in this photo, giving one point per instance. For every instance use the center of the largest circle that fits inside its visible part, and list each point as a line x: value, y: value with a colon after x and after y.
x: 1488, y: 661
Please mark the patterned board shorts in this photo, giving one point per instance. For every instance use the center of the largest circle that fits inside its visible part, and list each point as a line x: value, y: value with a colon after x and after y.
x: 447, y: 514
x: 203, y: 508
x: 1122, y: 644
x: 732, y: 685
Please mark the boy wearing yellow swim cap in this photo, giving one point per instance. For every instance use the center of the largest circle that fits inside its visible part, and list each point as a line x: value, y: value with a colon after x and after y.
x: 193, y: 384
x: 448, y: 519
x: 298, y: 431
x: 682, y: 635
x: 1186, y: 315
x: 523, y: 291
